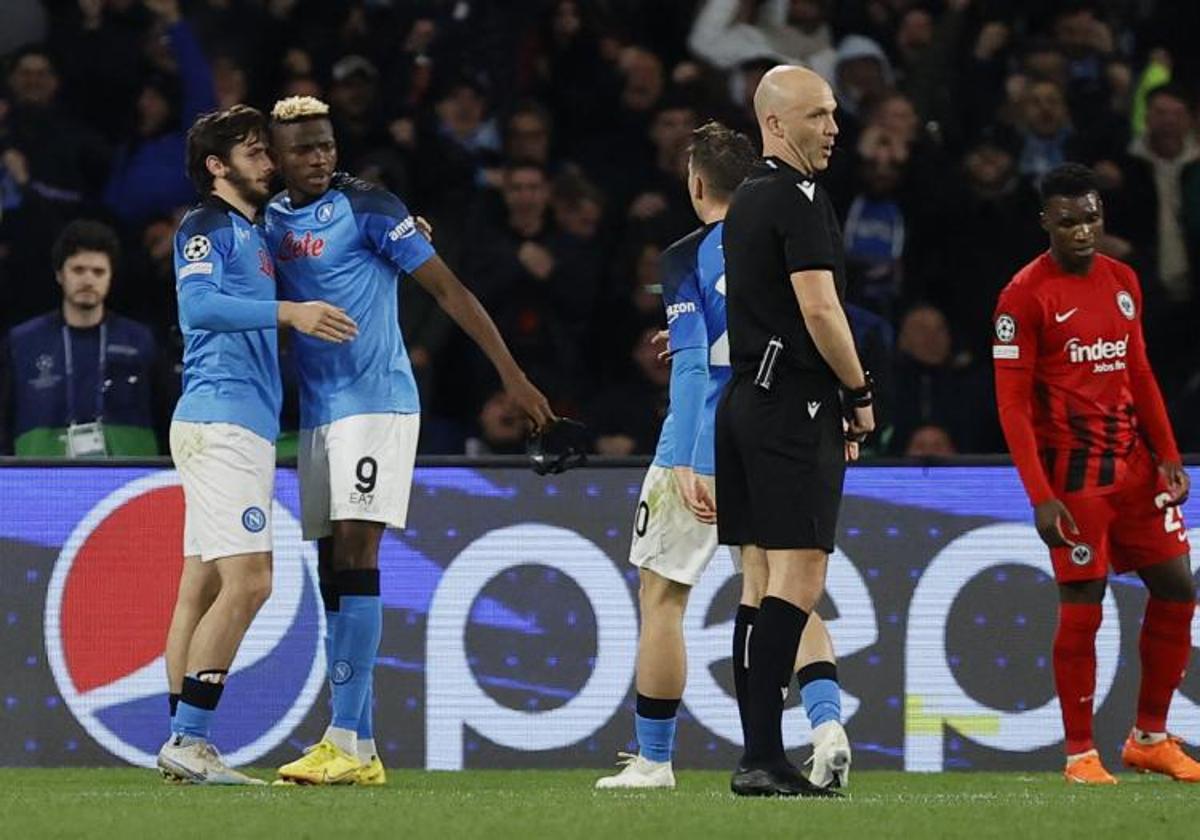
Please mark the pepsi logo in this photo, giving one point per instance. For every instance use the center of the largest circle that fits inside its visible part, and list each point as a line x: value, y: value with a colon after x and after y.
x: 108, y: 608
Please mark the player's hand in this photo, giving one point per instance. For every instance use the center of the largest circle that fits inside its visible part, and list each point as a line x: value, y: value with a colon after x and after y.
x: 662, y: 339
x: 319, y: 319
x: 423, y: 227
x: 862, y: 423
x: 1053, y: 522
x: 531, y: 401
x: 1179, y: 484
x: 695, y: 495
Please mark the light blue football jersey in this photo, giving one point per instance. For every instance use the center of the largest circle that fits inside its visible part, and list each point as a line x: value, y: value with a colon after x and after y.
x: 225, y: 285
x: 346, y: 248
x: 693, y: 282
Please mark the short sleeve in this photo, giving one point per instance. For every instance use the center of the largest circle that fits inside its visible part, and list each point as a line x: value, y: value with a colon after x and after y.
x: 681, y: 299
x: 1015, y: 329
x: 807, y: 236
x: 389, y: 229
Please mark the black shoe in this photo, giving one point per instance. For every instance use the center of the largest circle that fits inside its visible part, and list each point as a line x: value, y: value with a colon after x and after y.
x: 775, y: 781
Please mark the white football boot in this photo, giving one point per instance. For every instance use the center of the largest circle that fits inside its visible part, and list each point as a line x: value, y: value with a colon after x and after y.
x: 197, y: 762
x: 831, y: 756
x: 638, y: 772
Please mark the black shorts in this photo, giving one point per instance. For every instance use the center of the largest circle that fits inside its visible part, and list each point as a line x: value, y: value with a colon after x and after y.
x: 781, y: 462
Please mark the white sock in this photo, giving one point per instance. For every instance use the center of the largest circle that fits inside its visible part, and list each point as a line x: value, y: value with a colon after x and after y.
x: 366, y: 750
x: 1148, y: 738
x: 1071, y: 759
x: 345, y: 740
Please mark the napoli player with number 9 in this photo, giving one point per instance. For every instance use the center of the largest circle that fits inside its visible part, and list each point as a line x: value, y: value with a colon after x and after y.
x: 341, y: 239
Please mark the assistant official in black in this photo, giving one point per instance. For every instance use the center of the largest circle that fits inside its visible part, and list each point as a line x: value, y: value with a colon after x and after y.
x: 781, y: 445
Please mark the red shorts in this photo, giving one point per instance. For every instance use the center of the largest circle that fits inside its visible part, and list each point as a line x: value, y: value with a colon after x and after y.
x: 1128, y: 529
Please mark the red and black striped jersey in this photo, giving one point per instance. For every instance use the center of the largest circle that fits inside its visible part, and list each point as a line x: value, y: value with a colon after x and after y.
x: 1081, y: 339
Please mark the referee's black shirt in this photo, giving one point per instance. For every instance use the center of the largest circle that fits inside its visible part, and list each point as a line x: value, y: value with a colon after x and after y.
x: 779, y: 222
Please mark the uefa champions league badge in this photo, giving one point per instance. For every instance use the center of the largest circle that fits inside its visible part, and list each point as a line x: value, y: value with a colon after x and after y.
x: 107, y: 612
x: 1006, y: 328
x: 196, y: 248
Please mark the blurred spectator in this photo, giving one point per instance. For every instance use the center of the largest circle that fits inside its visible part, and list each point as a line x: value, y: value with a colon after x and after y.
x: 1045, y: 127
x: 981, y: 232
x: 625, y: 418
x: 522, y: 269
x: 78, y: 382
x: 861, y: 72
x: 930, y: 442
x: 727, y: 33
x: 456, y: 148
x: 502, y: 428
x: 149, y: 175
x: 1169, y: 145
x: 935, y: 388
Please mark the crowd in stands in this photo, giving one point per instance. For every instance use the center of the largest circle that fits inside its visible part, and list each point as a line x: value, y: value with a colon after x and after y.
x: 546, y: 143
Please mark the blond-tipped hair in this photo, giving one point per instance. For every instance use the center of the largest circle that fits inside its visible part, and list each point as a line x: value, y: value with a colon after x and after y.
x: 299, y: 108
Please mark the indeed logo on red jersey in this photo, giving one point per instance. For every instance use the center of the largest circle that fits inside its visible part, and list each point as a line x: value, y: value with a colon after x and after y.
x: 1108, y: 356
x: 296, y: 248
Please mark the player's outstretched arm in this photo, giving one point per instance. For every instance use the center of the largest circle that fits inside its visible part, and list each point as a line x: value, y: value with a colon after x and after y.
x: 457, y: 301
x: 319, y: 319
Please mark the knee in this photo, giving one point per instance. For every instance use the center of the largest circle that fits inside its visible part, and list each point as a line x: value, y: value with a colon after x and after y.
x: 254, y: 590
x: 661, y: 600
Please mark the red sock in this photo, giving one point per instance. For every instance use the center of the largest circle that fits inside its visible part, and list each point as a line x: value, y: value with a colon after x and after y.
x: 1165, y: 646
x: 1075, y: 671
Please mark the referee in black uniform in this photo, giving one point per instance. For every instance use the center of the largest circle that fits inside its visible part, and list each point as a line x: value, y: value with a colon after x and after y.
x: 798, y: 404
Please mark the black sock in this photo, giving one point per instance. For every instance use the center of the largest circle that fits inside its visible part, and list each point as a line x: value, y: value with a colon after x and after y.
x: 816, y: 671
x: 201, y: 693
x: 357, y: 582
x: 773, y: 644
x: 173, y: 700
x: 742, y: 626
x: 654, y: 708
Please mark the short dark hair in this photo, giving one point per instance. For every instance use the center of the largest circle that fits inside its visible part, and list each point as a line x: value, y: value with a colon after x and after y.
x: 518, y: 164
x: 1172, y: 89
x: 216, y: 133
x: 1068, y: 180
x: 723, y: 155
x: 85, y: 235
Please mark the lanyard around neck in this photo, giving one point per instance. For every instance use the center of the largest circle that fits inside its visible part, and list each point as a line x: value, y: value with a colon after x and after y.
x: 69, y: 364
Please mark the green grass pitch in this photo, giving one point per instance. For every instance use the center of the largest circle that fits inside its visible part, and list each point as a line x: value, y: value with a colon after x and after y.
x: 115, y: 804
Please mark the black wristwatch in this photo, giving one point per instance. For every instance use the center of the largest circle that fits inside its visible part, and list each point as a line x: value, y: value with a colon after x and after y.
x: 860, y: 397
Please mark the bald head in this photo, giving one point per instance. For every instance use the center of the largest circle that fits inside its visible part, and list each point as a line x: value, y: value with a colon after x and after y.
x: 794, y: 107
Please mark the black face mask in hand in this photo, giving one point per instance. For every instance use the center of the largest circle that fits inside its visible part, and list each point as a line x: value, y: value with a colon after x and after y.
x: 559, y: 447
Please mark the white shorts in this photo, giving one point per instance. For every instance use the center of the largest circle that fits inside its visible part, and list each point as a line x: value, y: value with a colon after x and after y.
x: 228, y: 477
x: 667, y: 539
x: 358, y: 467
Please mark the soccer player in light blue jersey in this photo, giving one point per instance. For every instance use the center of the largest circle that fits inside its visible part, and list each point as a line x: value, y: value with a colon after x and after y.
x: 345, y: 241
x: 225, y: 424
x: 674, y: 533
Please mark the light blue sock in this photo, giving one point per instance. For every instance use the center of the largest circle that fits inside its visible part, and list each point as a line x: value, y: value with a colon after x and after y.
x: 360, y: 625
x: 822, y: 701
x: 331, y: 628
x: 191, y: 721
x: 366, y: 720
x: 655, y: 737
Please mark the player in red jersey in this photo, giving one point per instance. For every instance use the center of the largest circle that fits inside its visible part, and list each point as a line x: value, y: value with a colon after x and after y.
x: 1089, y: 434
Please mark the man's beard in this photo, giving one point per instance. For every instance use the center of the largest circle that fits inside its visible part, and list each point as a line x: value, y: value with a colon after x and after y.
x: 247, y: 188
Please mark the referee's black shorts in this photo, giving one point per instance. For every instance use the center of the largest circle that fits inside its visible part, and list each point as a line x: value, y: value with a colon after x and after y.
x: 781, y: 462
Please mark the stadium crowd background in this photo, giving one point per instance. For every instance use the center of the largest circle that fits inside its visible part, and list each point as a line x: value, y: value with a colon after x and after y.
x: 545, y: 140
